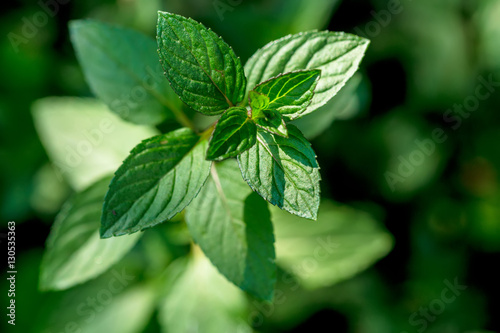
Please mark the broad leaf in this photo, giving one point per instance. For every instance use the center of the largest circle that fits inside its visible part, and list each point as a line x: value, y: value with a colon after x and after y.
x: 123, y: 69
x: 233, y: 228
x: 74, y: 252
x: 340, y: 244
x: 336, y: 54
x: 199, y: 299
x: 159, y: 178
x: 347, y: 104
x: 235, y: 132
x: 284, y: 171
x: 83, y: 139
x: 272, y: 122
x: 135, y: 307
x: 202, y: 69
x: 290, y: 93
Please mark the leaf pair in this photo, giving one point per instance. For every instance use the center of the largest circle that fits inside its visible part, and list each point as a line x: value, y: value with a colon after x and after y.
x: 272, y: 102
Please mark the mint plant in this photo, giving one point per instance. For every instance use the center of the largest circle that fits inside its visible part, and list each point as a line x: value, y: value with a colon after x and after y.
x: 194, y: 170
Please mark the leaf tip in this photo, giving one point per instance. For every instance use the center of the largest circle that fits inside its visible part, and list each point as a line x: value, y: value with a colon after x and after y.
x: 105, y: 232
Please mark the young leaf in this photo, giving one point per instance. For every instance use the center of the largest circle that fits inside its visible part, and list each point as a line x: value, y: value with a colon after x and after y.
x: 290, y: 93
x: 199, y: 297
x: 159, y: 179
x: 272, y: 122
x: 336, y: 54
x: 233, y: 228
x: 284, y: 171
x: 349, y: 241
x: 258, y: 102
x: 235, y: 132
x: 202, y: 69
x: 123, y: 69
x: 348, y: 102
x: 74, y: 251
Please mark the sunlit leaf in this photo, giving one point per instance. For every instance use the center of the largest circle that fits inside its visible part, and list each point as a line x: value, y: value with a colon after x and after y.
x: 284, y: 171
x: 235, y: 132
x: 159, y: 179
x: 123, y: 69
x: 341, y: 243
x: 290, y: 93
x: 199, y: 299
x: 74, y: 252
x: 83, y: 139
x: 233, y: 228
x: 336, y: 54
x: 202, y: 69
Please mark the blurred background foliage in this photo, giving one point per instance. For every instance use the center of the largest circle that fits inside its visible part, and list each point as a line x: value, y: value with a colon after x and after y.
x: 441, y: 218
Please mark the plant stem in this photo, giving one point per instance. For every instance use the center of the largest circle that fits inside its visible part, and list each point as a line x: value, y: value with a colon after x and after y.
x: 179, y: 115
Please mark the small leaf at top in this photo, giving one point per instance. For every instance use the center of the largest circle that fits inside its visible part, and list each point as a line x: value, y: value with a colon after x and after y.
x: 202, y: 69
x: 158, y: 179
x: 235, y: 132
x: 336, y: 54
x: 272, y: 122
x: 290, y: 93
x: 258, y: 102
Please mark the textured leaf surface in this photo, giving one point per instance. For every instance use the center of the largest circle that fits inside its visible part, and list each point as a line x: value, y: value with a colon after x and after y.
x: 336, y: 54
x: 284, y: 171
x: 348, y: 102
x: 159, y: 178
x: 235, y: 132
x: 199, y: 299
x: 340, y: 244
x: 290, y: 93
x: 257, y: 101
x: 83, y: 139
x: 123, y: 69
x: 272, y: 122
x: 233, y: 228
x: 74, y: 252
x: 202, y: 69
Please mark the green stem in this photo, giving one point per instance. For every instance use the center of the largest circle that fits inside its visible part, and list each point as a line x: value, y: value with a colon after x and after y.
x: 179, y: 115
x: 208, y: 132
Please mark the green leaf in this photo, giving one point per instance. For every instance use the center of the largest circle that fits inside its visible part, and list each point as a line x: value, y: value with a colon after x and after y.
x: 272, y: 122
x: 290, y: 93
x: 347, y: 104
x: 233, y: 228
x: 74, y: 252
x: 199, y: 299
x: 83, y: 139
x: 123, y: 69
x: 135, y: 307
x: 159, y: 179
x: 269, y: 120
x: 284, y: 171
x: 257, y: 102
x: 340, y: 244
x: 336, y: 54
x: 202, y: 69
x: 235, y: 132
